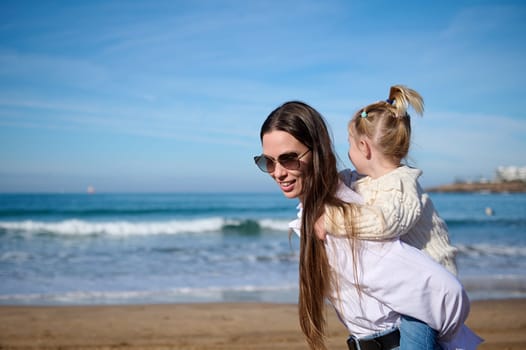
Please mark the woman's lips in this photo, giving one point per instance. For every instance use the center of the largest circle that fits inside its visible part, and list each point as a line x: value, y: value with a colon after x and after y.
x: 287, y: 186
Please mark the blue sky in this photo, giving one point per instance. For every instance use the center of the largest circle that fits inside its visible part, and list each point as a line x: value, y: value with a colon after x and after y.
x: 170, y: 95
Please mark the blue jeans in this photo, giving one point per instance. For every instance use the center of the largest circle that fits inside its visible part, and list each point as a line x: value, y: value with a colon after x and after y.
x: 416, y: 335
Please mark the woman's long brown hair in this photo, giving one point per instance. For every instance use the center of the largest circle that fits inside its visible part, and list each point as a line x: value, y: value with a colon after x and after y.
x: 320, y: 182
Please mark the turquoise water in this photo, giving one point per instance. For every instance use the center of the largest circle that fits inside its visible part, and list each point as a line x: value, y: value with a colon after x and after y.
x: 136, y: 248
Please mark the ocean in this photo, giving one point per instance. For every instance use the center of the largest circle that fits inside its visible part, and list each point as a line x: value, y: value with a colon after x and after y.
x: 80, y: 249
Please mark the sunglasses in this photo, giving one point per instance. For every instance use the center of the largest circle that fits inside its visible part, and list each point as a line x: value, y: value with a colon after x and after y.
x: 290, y: 161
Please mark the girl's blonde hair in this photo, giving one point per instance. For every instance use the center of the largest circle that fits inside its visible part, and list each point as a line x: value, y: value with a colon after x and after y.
x: 387, y: 123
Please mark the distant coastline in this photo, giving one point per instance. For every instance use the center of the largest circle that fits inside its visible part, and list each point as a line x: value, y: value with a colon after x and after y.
x: 484, y: 187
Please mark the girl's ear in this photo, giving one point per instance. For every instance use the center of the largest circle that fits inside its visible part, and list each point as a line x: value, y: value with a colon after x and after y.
x: 365, y: 148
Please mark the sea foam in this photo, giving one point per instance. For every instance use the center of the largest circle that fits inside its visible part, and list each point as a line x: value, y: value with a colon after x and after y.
x: 76, y: 227
x: 118, y: 228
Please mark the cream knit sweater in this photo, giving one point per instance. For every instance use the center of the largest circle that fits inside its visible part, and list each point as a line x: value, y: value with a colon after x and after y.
x: 395, y: 206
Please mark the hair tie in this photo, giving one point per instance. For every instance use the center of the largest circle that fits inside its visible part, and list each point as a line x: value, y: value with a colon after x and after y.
x: 390, y: 101
x: 363, y: 114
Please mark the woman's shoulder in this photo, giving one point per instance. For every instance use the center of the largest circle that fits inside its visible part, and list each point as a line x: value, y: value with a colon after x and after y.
x: 346, y: 194
x: 348, y: 176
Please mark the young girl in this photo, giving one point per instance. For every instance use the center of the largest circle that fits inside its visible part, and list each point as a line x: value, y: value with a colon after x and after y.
x: 379, y: 138
x: 360, y: 278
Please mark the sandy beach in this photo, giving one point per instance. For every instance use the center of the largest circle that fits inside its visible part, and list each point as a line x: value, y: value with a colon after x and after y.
x: 502, y: 323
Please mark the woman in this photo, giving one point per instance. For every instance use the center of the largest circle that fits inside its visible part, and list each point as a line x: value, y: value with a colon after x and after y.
x: 360, y: 280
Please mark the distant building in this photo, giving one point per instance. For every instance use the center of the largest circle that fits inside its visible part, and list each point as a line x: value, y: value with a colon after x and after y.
x: 510, y: 173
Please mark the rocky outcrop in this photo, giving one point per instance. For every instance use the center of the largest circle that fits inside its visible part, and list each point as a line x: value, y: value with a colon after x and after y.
x: 490, y: 187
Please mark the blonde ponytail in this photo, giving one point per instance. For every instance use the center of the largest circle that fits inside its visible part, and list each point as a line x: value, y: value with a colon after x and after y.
x: 401, y: 97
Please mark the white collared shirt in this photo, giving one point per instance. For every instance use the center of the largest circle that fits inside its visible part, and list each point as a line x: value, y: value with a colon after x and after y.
x: 394, y: 279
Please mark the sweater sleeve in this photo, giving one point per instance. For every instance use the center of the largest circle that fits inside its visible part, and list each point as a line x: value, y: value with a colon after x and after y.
x: 392, y: 207
x: 366, y: 221
x: 353, y: 216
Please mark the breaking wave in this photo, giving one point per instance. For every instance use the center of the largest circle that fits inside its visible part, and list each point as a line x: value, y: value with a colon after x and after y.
x: 76, y: 227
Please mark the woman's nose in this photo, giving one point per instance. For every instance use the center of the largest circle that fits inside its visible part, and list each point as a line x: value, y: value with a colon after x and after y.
x: 279, y: 171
